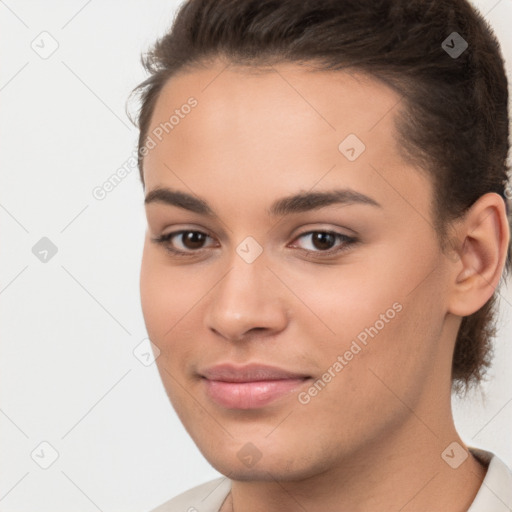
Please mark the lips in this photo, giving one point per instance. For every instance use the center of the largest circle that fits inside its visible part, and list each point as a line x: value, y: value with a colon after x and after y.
x: 251, y: 386
x: 248, y: 373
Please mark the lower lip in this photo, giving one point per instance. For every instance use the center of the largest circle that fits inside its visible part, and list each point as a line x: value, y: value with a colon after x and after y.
x: 250, y: 395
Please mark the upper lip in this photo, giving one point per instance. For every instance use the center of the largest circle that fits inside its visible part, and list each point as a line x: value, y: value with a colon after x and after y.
x: 228, y: 372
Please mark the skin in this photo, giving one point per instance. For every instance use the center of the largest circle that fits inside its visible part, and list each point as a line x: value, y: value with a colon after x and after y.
x: 372, y: 438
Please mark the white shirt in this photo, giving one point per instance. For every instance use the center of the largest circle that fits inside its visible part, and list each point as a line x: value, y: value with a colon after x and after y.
x: 494, y: 495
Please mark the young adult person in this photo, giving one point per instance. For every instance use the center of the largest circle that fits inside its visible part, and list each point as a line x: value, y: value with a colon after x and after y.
x: 327, y: 231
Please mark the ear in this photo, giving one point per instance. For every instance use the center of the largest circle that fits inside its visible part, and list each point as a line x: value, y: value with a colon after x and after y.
x: 482, y: 240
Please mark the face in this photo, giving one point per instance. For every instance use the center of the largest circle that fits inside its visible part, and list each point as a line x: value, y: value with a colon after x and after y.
x: 288, y: 327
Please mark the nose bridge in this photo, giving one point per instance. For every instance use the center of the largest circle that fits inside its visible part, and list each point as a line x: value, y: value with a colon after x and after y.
x: 243, y: 287
x: 248, y: 270
x: 247, y: 296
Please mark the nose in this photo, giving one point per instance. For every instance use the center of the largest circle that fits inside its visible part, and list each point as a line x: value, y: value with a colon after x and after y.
x: 249, y: 299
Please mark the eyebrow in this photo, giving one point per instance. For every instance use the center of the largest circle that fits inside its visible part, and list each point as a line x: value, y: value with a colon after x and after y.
x: 301, y: 202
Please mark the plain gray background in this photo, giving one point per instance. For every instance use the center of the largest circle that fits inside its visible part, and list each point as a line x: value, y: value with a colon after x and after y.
x: 70, y: 325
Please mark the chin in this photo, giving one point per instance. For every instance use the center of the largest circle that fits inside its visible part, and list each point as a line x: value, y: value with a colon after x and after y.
x: 273, y: 464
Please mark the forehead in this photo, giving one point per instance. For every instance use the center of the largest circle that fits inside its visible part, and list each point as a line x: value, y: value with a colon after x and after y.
x: 295, y: 101
x: 270, y: 130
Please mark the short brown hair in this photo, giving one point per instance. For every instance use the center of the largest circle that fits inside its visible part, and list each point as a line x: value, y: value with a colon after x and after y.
x: 454, y: 122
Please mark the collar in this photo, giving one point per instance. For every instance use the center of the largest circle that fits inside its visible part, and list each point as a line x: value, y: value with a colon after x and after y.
x: 495, y: 493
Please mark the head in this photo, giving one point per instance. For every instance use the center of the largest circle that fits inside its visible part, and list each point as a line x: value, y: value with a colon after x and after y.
x: 255, y: 116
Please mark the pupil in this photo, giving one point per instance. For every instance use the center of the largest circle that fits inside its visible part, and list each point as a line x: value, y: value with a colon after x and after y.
x: 193, y: 240
x: 323, y: 240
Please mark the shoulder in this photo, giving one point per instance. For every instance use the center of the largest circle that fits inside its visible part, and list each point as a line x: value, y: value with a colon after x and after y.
x: 206, y: 497
x: 495, y: 493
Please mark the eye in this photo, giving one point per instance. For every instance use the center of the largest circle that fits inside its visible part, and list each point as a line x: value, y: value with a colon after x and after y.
x: 184, y: 242
x: 323, y: 242
x: 191, y: 242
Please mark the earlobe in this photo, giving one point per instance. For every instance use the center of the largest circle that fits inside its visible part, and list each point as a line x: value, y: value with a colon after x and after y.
x: 484, y: 238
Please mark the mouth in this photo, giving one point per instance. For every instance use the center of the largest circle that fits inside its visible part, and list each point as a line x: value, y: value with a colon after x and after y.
x: 250, y: 386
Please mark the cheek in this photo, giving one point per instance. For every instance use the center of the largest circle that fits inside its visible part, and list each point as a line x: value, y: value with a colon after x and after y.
x: 384, y: 314
x: 342, y: 301
x: 172, y: 300
x: 368, y: 378
x: 166, y: 296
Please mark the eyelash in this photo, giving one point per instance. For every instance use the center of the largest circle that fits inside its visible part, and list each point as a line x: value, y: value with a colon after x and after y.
x: 348, y: 242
